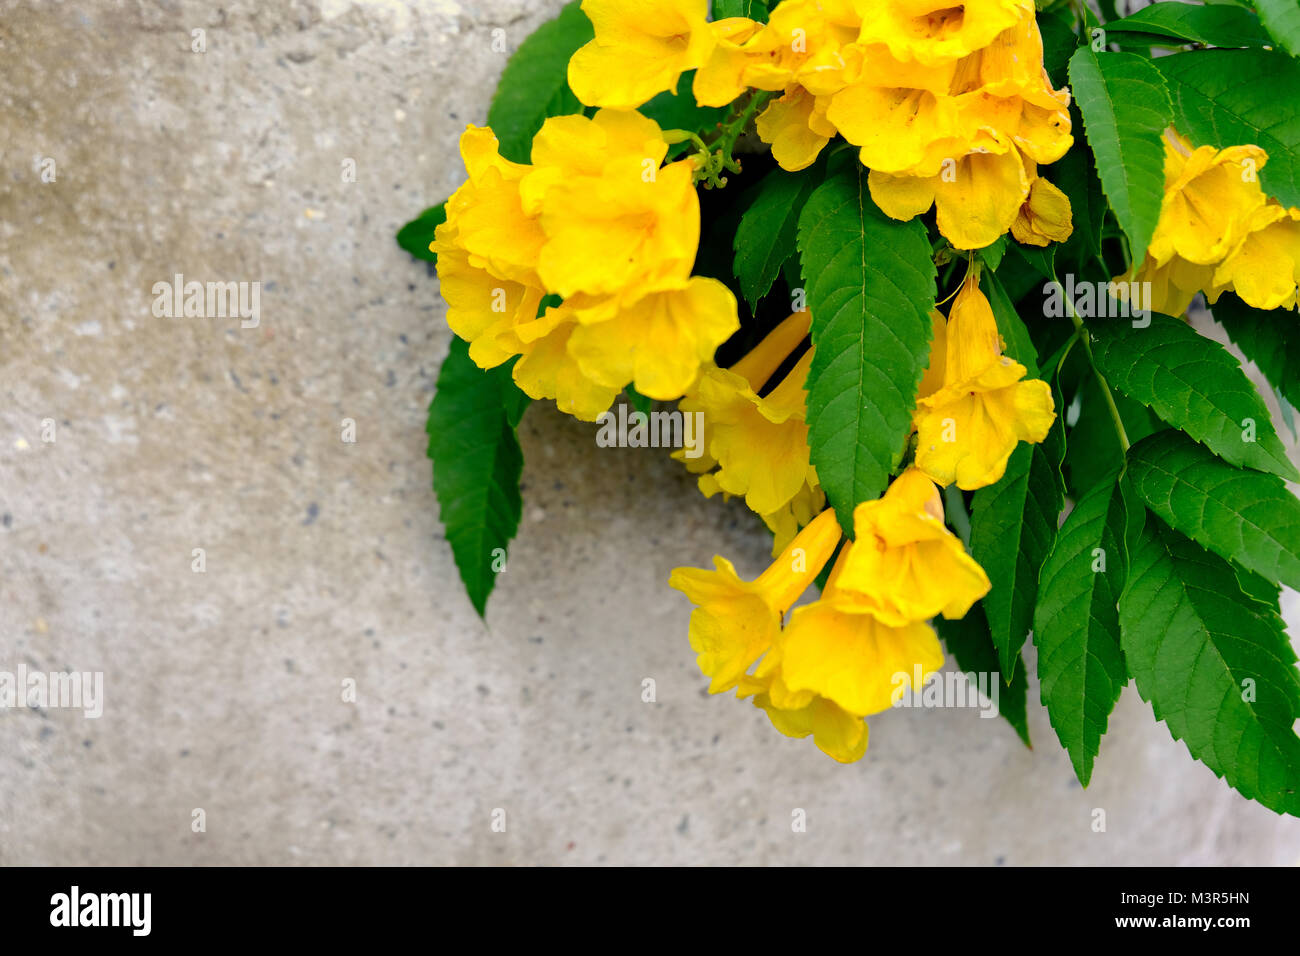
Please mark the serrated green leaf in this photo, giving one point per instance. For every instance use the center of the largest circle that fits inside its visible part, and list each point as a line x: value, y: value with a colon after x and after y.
x: 1220, y: 26
x: 870, y: 288
x: 1230, y: 97
x: 1125, y: 110
x: 1076, y: 622
x: 416, y: 235
x: 1282, y: 20
x: 476, y: 465
x: 1215, y: 666
x: 1244, y: 516
x: 1194, y: 384
x: 765, y: 239
x: 535, y: 82
x: 970, y: 645
x: 1269, y: 339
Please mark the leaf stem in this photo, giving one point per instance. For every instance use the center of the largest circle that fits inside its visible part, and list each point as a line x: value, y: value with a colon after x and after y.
x: 1082, y: 333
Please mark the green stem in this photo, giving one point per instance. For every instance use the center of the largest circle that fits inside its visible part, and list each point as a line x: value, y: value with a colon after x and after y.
x: 1082, y: 333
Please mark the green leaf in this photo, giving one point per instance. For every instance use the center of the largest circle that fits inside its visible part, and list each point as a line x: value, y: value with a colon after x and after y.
x: 969, y: 643
x: 1076, y: 623
x: 1269, y: 339
x: 1282, y: 18
x: 765, y: 239
x: 1194, y: 384
x: 1215, y: 666
x: 1230, y: 97
x: 870, y: 287
x: 1125, y: 110
x: 476, y: 465
x: 1259, y: 588
x: 416, y: 235
x: 752, y: 9
x: 535, y: 83
x: 1188, y: 23
x: 1245, y: 516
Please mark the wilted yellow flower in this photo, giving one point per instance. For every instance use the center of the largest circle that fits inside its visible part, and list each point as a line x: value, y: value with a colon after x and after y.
x: 1044, y: 217
x: 640, y: 49
x: 905, y: 564
x: 735, y: 622
x: 968, y: 429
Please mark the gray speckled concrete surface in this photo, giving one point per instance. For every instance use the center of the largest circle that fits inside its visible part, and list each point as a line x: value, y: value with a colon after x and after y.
x: 325, y: 560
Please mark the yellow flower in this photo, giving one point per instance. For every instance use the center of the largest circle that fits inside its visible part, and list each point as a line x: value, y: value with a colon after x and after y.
x: 760, y: 443
x: 836, y: 732
x: 640, y: 49
x: 796, y: 127
x: 1044, y: 217
x: 905, y: 564
x: 976, y: 198
x: 660, y: 341
x: 934, y: 31
x: 735, y: 622
x: 1211, y: 198
x: 832, y: 648
x: 1265, y: 270
x: 968, y: 429
x: 1219, y: 231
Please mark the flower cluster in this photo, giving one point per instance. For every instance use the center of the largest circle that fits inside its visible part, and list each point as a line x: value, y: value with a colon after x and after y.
x: 823, y: 667
x: 949, y: 106
x: 580, y: 263
x: 1218, y: 231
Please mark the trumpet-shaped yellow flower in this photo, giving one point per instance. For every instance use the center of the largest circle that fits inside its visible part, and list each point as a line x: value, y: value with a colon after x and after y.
x: 1044, y: 217
x: 833, y: 648
x: 968, y: 429
x: 1219, y: 231
x: 1211, y: 198
x: 1265, y: 270
x: 976, y: 198
x: 836, y: 732
x: 641, y: 48
x: 932, y: 32
x: 905, y: 565
x: 735, y: 622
